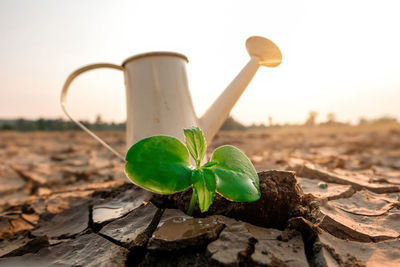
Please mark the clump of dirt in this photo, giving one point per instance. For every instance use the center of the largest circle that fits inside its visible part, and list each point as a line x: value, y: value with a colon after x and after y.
x: 281, y: 199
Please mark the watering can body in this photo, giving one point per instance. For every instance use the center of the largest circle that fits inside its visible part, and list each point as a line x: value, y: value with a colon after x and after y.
x: 157, y: 95
x: 158, y: 98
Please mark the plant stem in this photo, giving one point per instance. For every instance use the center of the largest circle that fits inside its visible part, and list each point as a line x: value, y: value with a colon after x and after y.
x: 192, y: 203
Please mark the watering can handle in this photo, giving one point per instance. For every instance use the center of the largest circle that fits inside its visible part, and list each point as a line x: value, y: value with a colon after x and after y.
x: 64, y: 91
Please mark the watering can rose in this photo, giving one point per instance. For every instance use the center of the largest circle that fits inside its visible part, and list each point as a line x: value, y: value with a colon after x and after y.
x: 161, y: 165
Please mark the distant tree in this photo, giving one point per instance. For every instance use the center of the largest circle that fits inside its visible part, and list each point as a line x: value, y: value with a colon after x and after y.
x: 380, y: 120
x: 25, y: 125
x: 270, y: 121
x: 59, y: 124
x: 231, y: 124
x: 331, y: 118
x: 385, y: 119
x: 42, y: 125
x: 99, y: 119
x: 312, y: 115
x: 19, y: 124
x: 362, y: 121
x: 7, y: 126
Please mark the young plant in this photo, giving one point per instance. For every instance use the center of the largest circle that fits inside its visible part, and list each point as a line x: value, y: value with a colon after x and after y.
x: 161, y: 165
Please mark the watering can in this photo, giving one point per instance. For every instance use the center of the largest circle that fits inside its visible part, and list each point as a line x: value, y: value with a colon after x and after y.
x: 158, y: 98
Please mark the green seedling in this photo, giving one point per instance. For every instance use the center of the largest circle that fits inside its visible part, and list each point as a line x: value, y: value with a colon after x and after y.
x: 161, y: 165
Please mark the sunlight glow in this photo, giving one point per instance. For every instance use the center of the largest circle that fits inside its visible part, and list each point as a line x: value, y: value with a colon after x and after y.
x: 339, y: 56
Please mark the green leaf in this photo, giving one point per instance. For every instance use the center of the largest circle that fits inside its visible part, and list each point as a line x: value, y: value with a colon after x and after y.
x: 204, y: 187
x: 236, y: 178
x: 159, y: 164
x: 209, y: 164
x: 196, y: 144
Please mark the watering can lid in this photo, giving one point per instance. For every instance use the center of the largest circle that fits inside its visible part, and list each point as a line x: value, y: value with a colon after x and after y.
x: 158, y: 53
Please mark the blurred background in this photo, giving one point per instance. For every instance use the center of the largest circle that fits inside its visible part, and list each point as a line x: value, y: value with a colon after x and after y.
x: 340, y: 59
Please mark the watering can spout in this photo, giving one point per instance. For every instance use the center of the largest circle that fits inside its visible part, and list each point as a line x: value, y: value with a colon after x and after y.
x: 263, y: 52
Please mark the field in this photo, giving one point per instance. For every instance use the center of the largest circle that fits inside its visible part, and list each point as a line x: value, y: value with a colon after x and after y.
x: 352, y: 171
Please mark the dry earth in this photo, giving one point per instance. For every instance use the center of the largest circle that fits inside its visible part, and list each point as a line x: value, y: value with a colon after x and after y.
x: 65, y: 201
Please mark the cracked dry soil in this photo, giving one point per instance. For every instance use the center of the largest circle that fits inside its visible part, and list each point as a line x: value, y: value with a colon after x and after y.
x: 329, y: 198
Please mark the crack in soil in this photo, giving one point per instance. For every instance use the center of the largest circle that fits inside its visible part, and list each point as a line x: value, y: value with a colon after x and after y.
x: 244, y: 256
x: 309, y: 233
x: 32, y: 246
x: 31, y: 185
x: 138, y: 248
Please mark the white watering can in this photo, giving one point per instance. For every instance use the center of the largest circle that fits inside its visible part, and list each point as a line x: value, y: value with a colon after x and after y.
x: 157, y: 95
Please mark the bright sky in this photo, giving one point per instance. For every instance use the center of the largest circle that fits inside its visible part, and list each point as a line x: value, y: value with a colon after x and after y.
x: 338, y: 56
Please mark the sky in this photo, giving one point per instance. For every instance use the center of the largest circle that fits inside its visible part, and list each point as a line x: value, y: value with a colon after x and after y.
x: 338, y: 56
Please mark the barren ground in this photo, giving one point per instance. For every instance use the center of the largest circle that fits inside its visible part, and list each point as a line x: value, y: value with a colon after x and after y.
x: 353, y: 172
